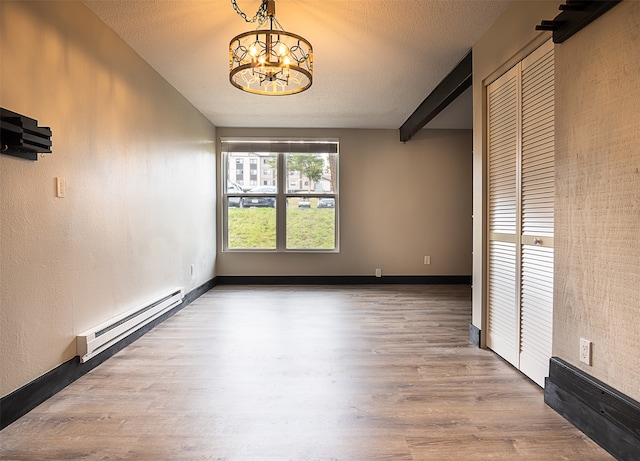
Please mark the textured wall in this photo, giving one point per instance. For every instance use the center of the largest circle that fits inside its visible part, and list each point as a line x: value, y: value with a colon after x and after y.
x: 597, y: 276
x: 398, y: 203
x: 139, y: 165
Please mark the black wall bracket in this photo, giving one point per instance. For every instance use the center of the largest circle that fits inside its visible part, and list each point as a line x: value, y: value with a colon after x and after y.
x: 21, y: 136
x: 575, y: 15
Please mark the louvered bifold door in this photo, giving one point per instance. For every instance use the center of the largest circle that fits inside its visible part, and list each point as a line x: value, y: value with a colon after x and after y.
x: 503, y: 128
x: 537, y: 198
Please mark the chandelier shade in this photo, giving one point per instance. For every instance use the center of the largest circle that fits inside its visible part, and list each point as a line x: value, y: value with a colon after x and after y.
x: 270, y: 61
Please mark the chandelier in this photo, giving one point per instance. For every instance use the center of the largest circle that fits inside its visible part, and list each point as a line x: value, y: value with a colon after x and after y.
x: 269, y: 61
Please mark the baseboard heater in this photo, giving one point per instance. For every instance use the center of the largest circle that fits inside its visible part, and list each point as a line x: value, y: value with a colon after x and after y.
x: 93, y: 341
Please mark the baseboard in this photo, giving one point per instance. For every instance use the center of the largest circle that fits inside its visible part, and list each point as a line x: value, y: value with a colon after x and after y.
x: 23, y: 400
x: 474, y: 334
x: 199, y: 291
x: 343, y: 280
x: 608, y: 417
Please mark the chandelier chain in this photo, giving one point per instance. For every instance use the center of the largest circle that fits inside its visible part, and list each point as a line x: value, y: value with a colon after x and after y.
x: 260, y: 17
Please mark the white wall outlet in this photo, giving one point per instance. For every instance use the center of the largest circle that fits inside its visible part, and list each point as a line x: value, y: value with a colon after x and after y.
x: 427, y: 259
x: 378, y: 272
x: 585, y: 351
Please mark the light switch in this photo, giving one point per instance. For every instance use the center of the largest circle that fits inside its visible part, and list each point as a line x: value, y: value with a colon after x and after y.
x: 61, y: 187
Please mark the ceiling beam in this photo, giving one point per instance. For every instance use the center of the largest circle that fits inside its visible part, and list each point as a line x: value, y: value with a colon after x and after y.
x: 452, y: 86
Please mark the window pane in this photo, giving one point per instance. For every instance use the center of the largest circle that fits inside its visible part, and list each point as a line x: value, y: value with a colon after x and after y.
x: 251, y: 176
x: 316, y: 173
x: 251, y: 228
x: 306, y: 193
x: 311, y: 223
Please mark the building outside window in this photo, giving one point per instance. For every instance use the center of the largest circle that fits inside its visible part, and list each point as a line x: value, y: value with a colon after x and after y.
x: 275, y: 215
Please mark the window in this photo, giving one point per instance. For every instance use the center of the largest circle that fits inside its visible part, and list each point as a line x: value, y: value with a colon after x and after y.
x: 277, y: 215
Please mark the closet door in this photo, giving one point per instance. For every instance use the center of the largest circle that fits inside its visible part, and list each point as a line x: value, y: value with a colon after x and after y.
x: 538, y: 191
x: 521, y: 198
x: 503, y: 148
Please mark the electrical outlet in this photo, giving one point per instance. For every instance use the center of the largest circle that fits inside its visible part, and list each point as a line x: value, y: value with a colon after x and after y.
x: 585, y: 351
x: 427, y: 259
x: 378, y: 272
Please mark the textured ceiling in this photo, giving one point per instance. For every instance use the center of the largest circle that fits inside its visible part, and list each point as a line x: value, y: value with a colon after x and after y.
x: 374, y: 60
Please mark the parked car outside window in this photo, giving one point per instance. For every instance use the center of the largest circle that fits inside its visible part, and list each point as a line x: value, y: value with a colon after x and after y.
x: 234, y: 188
x: 270, y: 202
x: 327, y: 202
x: 304, y: 202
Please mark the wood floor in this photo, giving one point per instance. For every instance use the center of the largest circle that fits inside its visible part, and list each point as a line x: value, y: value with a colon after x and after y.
x: 360, y: 373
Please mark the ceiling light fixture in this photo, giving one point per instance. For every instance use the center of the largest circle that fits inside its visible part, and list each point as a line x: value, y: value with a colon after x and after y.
x: 269, y: 61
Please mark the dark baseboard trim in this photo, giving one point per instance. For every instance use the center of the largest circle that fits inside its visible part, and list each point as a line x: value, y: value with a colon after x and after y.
x: 343, y: 280
x: 23, y: 400
x: 474, y: 334
x: 197, y: 292
x: 608, y: 417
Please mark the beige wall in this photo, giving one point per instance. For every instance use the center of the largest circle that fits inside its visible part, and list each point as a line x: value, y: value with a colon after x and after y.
x: 398, y: 203
x: 597, y: 240
x: 597, y: 271
x: 139, y: 164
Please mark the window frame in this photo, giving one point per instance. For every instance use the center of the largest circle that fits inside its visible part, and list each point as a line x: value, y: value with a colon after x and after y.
x: 281, y: 196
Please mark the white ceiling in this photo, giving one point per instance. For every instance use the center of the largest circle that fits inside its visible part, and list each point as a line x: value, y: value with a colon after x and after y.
x: 374, y: 60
